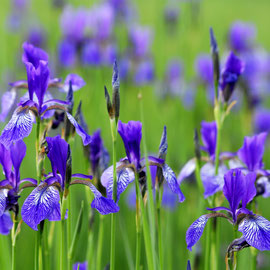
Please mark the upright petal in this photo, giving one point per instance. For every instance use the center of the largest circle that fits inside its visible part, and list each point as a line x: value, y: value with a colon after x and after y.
x: 5, y: 161
x: 249, y: 188
x: 171, y: 179
x: 58, y: 154
x: 18, y: 151
x: 86, y: 139
x: 42, y: 76
x: 131, y: 134
x: 209, y: 136
x: 234, y: 189
x: 195, y: 231
x: 39, y: 205
x: 33, y: 54
x: 103, y: 205
x: 6, y: 223
x: 251, y: 153
x: 19, y: 126
x: 256, y: 230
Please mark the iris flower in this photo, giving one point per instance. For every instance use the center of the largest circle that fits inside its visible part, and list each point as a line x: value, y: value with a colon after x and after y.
x: 10, y: 187
x: 131, y: 134
x: 36, y: 104
x: 237, y: 188
x: 44, y: 201
x: 212, y: 183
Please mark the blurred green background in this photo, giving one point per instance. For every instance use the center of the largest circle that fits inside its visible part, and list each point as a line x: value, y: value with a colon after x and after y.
x: 191, y: 38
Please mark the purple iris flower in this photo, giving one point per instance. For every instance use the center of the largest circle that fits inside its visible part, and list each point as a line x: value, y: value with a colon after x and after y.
x: 44, y: 201
x: 73, y: 23
x: 262, y: 120
x: 251, y: 153
x: 131, y: 134
x: 144, y: 73
x: 212, y: 183
x: 141, y: 40
x: 67, y: 53
x: 237, y: 188
x: 11, y: 160
x: 91, y: 53
x: 242, y: 36
x: 35, y: 104
x: 204, y: 69
x: 234, y: 67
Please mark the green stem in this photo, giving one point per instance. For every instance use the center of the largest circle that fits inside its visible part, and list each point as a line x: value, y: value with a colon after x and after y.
x: 217, y: 152
x: 146, y: 233
x: 37, y: 244
x: 207, y: 246
x: 13, y: 244
x: 69, y: 232
x: 151, y: 204
x: 138, y: 225
x: 113, y: 216
x: 62, y: 249
x: 100, y: 242
x: 160, y: 249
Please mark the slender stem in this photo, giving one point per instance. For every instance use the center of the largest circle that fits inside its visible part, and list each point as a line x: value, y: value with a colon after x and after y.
x: 138, y: 225
x: 160, y: 247
x: 37, y: 242
x: 146, y: 233
x: 217, y: 150
x: 207, y: 246
x: 62, y: 249
x: 100, y: 242
x: 69, y: 231
x: 113, y: 216
x: 13, y: 243
x: 151, y: 205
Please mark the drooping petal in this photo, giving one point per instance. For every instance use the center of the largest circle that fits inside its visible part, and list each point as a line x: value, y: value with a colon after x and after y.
x: 19, y: 126
x: 103, y: 205
x: 86, y: 139
x: 209, y: 136
x: 3, y: 198
x: 187, y: 170
x: 249, y: 188
x: 212, y: 183
x: 251, y: 153
x: 18, y: 151
x: 170, y: 178
x: 55, y: 214
x: 234, y: 189
x: 256, y: 230
x: 58, y: 154
x: 131, y: 134
x: 264, y: 183
x: 195, y: 231
x: 6, y: 223
x: 7, y: 102
x: 169, y: 199
x: 124, y: 178
x: 39, y: 205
